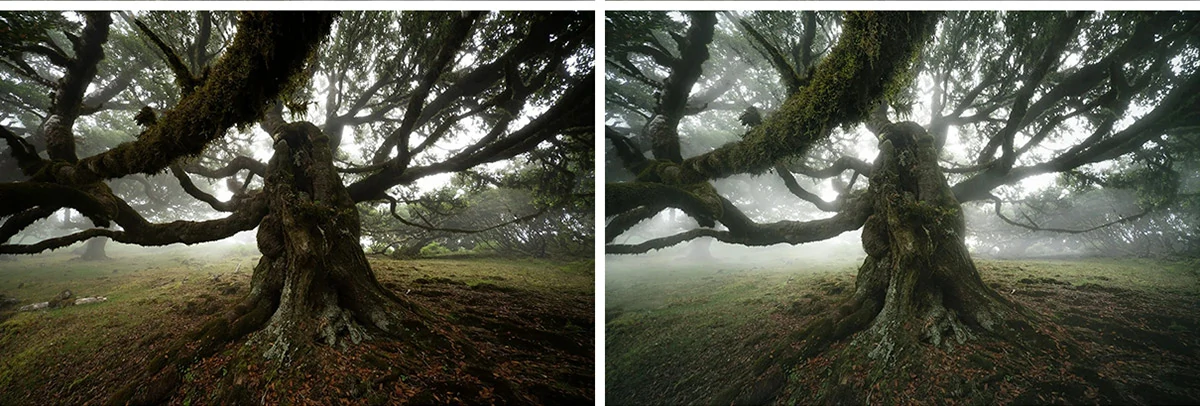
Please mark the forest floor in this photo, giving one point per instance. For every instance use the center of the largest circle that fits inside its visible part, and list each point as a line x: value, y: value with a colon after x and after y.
x: 532, y: 318
x: 681, y: 332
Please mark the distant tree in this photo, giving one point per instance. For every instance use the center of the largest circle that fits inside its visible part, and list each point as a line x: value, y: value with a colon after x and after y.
x: 1002, y: 97
x: 402, y: 96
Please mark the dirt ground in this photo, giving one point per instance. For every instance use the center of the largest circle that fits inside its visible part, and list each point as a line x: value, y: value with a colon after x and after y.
x: 533, y: 319
x: 1122, y: 331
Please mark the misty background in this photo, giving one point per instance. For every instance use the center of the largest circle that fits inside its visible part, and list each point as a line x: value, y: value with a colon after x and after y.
x: 1122, y: 208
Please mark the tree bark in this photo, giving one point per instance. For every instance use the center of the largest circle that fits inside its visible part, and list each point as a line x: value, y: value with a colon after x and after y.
x: 918, y: 275
x: 918, y: 286
x: 314, y: 276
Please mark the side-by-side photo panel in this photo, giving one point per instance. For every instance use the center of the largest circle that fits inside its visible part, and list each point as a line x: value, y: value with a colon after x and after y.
x: 281, y: 207
x: 818, y: 207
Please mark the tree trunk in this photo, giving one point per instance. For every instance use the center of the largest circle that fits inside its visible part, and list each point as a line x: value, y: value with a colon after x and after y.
x: 313, y: 284
x: 95, y: 249
x: 918, y: 280
x: 313, y: 279
x: 917, y: 287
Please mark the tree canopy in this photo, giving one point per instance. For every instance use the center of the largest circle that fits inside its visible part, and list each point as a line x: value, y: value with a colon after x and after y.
x: 166, y: 110
x: 1016, y: 102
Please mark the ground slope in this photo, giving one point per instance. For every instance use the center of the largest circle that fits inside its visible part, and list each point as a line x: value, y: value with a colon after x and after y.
x: 681, y: 333
x: 532, y: 318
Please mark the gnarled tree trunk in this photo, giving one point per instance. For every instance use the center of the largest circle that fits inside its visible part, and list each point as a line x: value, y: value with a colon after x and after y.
x: 918, y: 280
x: 313, y: 283
x: 314, y: 277
x: 917, y: 287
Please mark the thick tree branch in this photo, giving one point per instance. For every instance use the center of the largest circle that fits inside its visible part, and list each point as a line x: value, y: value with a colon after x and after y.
x: 794, y: 187
x: 663, y: 128
x: 187, y: 232
x: 630, y: 156
x: 20, y: 196
x: 96, y: 102
x: 68, y: 100
x: 569, y: 113
x: 842, y: 164
x: 26, y: 155
x: 23, y: 219
x: 788, y: 232
x: 1020, y: 107
x: 787, y: 72
x: 624, y: 221
x: 699, y: 200
x: 55, y: 56
x: 268, y: 50
x: 416, y: 102
x: 1178, y: 108
x: 237, y: 164
x: 183, y: 76
x: 845, y: 86
x: 191, y: 189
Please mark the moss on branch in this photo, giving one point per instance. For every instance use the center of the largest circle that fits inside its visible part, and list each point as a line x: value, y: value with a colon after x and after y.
x: 269, y: 51
x: 869, y: 63
x: 699, y: 200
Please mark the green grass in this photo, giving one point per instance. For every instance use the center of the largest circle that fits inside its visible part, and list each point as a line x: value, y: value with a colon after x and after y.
x: 1140, y: 274
x: 677, y: 326
x: 680, y: 331
x: 81, y: 354
x: 505, y: 273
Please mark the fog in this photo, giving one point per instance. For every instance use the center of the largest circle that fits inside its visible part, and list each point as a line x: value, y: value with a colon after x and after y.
x: 780, y: 257
x: 706, y: 254
x: 1110, y: 207
x: 239, y: 245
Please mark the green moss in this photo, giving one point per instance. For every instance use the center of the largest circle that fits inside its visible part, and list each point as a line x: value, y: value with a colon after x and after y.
x: 868, y: 64
x: 269, y: 50
x: 698, y: 199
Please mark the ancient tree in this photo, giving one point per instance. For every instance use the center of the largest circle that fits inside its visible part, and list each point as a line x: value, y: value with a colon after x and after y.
x: 422, y: 93
x: 1000, y: 98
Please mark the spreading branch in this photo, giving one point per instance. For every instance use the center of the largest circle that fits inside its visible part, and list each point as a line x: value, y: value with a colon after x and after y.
x: 843, y: 89
x: 268, y: 49
x: 1031, y: 225
x: 187, y: 232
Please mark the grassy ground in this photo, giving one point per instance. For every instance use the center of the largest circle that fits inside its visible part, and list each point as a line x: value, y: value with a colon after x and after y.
x: 681, y: 332
x: 533, y: 318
